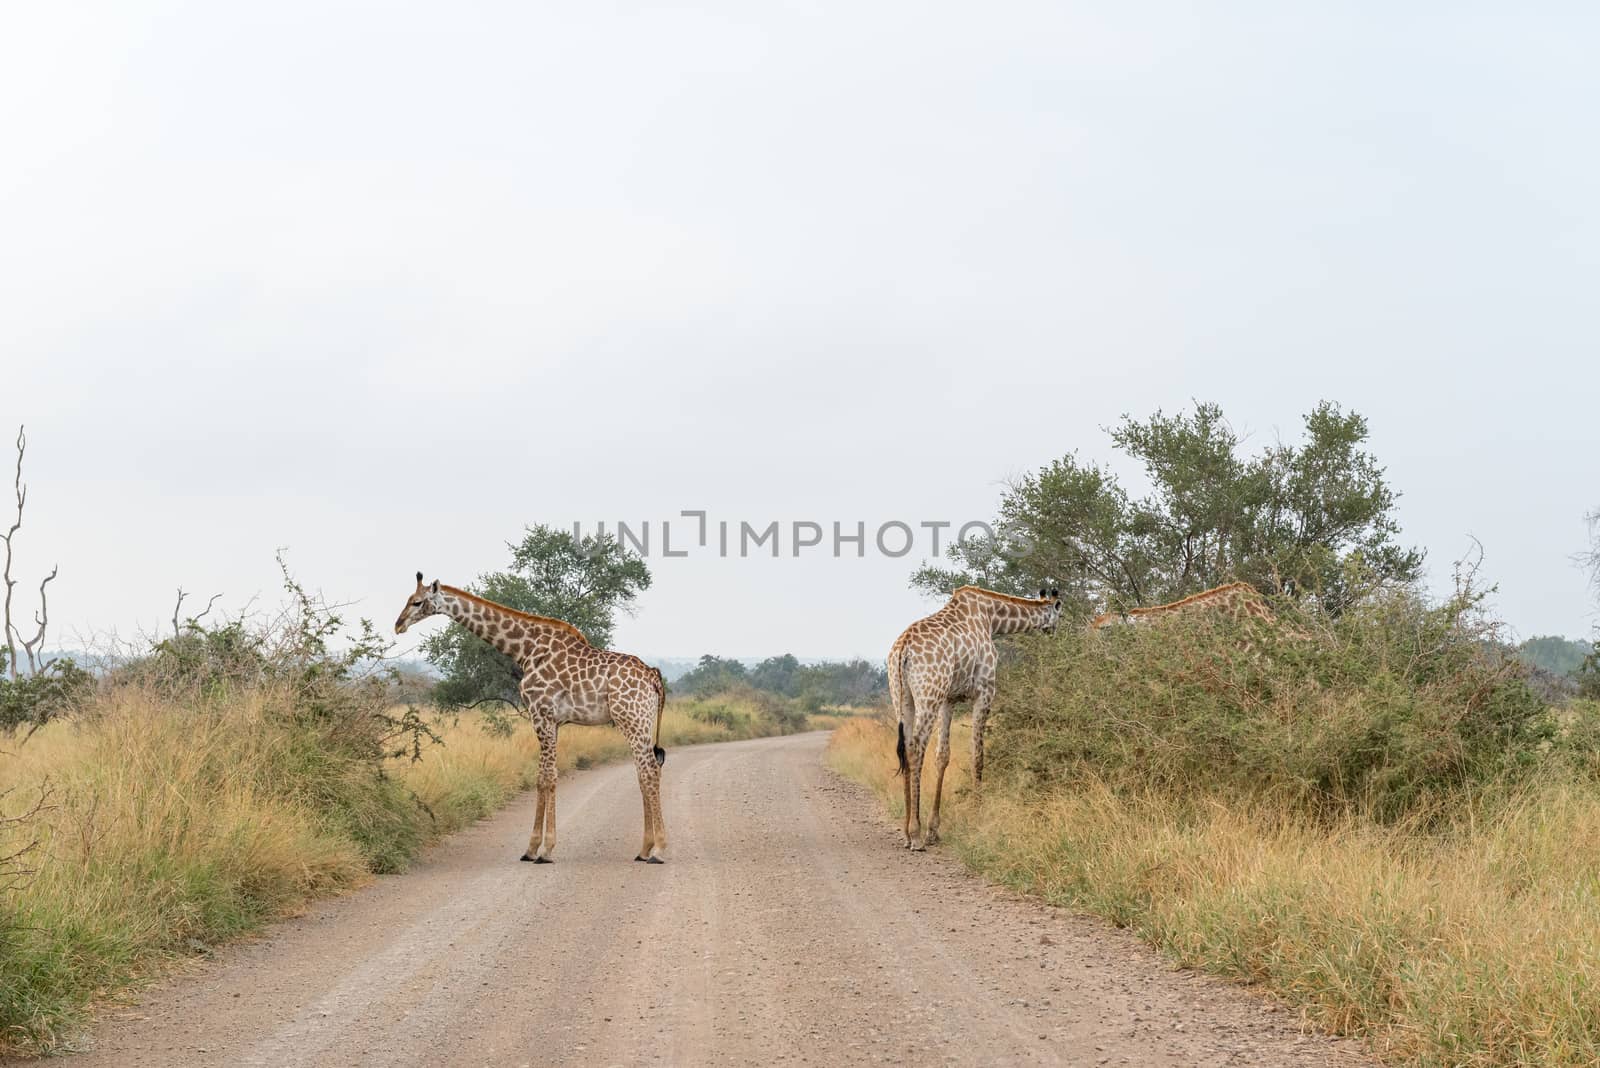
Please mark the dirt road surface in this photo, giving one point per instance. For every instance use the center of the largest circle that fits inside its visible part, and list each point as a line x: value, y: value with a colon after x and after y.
x: 788, y: 927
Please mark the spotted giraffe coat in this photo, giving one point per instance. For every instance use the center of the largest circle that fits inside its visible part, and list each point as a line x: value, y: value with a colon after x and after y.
x: 947, y: 657
x: 564, y: 680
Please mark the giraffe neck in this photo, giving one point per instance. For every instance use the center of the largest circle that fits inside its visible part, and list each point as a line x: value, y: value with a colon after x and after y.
x: 1007, y: 615
x: 1010, y: 618
x: 519, y: 636
x: 1231, y: 598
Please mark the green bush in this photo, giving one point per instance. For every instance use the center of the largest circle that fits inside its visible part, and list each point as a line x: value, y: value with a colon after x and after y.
x: 749, y: 712
x: 36, y: 699
x: 1392, y: 709
x: 723, y: 710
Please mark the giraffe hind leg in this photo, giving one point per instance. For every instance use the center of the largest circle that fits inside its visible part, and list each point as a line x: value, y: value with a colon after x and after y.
x: 905, y: 778
x: 649, y: 843
x: 660, y: 821
x: 536, y: 840
x: 648, y: 757
x: 655, y: 831
x: 916, y: 750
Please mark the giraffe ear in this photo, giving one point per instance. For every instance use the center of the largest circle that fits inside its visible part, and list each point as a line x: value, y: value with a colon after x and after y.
x: 435, y: 585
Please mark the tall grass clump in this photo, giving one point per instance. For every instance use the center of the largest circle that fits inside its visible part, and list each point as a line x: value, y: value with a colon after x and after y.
x: 222, y: 776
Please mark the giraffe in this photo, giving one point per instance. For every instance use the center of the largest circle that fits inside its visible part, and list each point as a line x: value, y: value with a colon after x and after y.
x: 1240, y: 601
x: 564, y: 680
x: 943, y: 658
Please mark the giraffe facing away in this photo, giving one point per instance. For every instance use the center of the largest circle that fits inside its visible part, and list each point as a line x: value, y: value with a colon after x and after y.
x: 564, y: 680
x: 944, y: 658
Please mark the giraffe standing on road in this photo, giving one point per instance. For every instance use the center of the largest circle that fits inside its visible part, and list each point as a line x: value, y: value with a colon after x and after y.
x: 564, y: 680
x: 948, y: 656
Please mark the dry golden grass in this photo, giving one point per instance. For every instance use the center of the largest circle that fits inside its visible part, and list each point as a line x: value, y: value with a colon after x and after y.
x: 1473, y: 944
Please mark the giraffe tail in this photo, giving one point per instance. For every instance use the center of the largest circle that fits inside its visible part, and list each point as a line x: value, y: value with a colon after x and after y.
x: 655, y: 743
x: 900, y: 697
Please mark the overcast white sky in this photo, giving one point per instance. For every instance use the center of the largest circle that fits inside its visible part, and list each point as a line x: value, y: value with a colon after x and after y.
x: 383, y: 282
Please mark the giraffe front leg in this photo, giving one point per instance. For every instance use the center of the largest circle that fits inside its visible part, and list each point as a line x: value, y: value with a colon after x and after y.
x: 543, y: 840
x: 941, y: 761
x: 550, y: 822
x: 980, y: 719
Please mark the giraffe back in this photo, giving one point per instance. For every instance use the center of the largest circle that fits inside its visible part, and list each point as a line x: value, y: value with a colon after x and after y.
x: 941, y: 657
x: 582, y: 684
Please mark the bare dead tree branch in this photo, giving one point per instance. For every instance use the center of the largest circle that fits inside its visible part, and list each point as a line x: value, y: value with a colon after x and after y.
x: 497, y: 697
x: 41, y: 617
x: 12, y: 636
x: 32, y: 649
x: 1590, y: 560
x: 177, y: 627
x: 207, y: 611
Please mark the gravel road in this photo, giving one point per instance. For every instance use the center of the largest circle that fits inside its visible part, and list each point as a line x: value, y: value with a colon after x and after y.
x: 788, y: 927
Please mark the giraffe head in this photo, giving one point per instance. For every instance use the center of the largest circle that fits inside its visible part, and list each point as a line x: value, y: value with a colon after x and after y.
x: 1052, y: 614
x: 426, y: 601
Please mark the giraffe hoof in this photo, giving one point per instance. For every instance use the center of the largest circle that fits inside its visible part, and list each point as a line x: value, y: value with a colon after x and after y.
x: 543, y: 860
x: 638, y: 860
x: 654, y: 860
x: 525, y: 857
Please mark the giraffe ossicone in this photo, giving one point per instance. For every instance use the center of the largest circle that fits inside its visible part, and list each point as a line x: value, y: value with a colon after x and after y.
x: 564, y: 680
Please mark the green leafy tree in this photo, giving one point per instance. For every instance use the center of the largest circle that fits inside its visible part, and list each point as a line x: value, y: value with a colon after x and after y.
x: 846, y: 682
x: 713, y: 675
x: 552, y: 573
x: 1553, y: 653
x: 777, y: 674
x: 1294, y: 519
x: 34, y: 699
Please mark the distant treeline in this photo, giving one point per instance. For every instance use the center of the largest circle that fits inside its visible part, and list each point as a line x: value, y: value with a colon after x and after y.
x: 849, y: 682
x: 1557, y: 655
